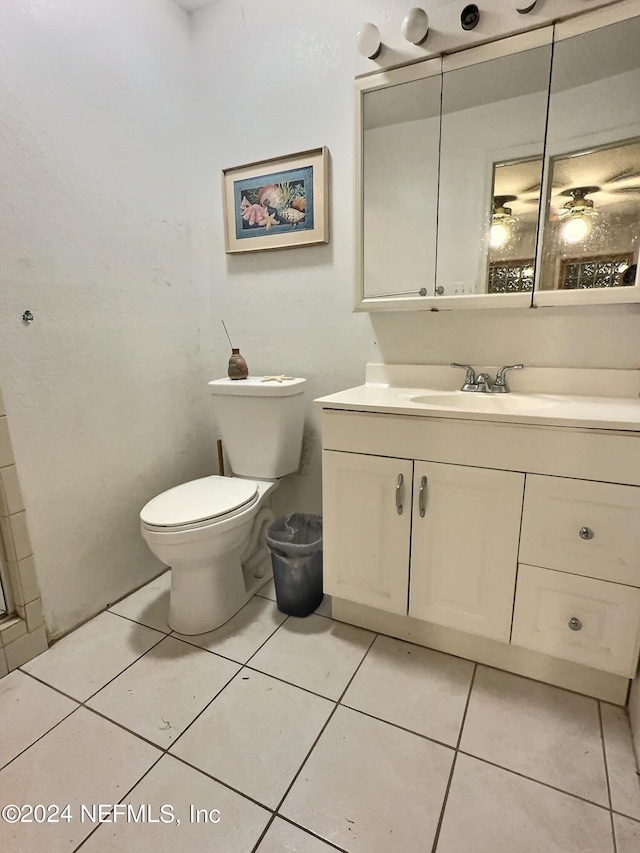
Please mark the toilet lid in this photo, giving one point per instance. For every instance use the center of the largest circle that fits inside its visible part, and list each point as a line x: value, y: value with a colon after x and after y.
x: 200, y: 500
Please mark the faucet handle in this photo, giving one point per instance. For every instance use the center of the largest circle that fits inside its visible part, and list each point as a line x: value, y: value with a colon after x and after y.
x: 471, y: 375
x: 470, y: 378
x: 500, y: 385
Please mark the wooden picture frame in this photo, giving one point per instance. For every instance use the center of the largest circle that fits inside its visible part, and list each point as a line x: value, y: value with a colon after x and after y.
x: 277, y: 204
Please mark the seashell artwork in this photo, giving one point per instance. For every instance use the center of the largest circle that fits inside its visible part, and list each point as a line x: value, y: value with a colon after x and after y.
x: 254, y: 214
x: 272, y: 196
x: 291, y: 215
x: 277, y: 203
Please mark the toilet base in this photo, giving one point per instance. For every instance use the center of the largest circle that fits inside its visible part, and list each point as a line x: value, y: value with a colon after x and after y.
x: 207, y: 592
x: 191, y: 615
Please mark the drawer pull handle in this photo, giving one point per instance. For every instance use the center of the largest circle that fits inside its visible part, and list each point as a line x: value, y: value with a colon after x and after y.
x: 399, y: 494
x: 422, y: 496
x: 575, y: 624
x: 586, y: 533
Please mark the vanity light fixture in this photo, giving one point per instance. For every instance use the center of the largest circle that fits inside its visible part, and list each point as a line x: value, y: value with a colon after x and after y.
x: 369, y: 42
x: 525, y: 6
x: 470, y: 17
x: 415, y: 26
x: 577, y: 214
x: 501, y: 221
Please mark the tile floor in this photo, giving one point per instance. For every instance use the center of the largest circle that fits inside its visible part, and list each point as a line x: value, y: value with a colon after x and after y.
x: 277, y: 734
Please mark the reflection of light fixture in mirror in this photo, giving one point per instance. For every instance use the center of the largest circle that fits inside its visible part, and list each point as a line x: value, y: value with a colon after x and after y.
x: 501, y: 221
x: 415, y: 26
x: 577, y: 213
x: 369, y: 43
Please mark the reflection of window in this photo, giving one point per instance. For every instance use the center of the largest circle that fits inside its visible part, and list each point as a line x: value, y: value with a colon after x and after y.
x: 598, y: 271
x: 511, y: 276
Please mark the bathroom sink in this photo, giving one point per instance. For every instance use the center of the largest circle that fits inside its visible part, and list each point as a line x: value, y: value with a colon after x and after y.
x: 470, y: 401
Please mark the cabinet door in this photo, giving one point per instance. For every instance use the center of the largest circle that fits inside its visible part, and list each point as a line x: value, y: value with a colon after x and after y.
x: 366, y: 538
x: 465, y: 547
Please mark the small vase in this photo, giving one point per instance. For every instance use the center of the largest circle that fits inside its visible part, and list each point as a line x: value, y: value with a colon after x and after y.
x: 237, y: 365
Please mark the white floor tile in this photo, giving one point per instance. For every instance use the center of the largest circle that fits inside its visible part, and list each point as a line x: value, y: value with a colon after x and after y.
x: 174, y: 784
x: 540, y: 731
x: 243, y: 635
x: 324, y: 608
x: 370, y: 787
x: 315, y: 653
x: 255, y: 735
x: 282, y: 836
x: 624, y: 780
x: 84, y: 760
x: 627, y: 834
x: 165, y: 690
x: 87, y: 659
x: 268, y: 591
x: 490, y: 810
x: 28, y: 709
x: 149, y: 605
x: 416, y: 688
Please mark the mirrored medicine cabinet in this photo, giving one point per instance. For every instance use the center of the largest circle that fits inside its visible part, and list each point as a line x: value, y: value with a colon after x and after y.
x: 504, y: 175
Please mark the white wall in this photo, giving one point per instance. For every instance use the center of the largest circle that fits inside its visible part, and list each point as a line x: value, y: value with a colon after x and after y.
x: 278, y: 78
x: 104, y: 392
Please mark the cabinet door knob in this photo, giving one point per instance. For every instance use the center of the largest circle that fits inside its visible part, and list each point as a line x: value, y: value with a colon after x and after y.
x: 422, y: 496
x: 399, y: 494
x: 586, y: 533
x: 575, y: 624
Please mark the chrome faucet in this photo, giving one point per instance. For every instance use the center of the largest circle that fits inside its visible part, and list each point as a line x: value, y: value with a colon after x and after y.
x: 482, y: 382
x: 470, y: 378
x: 500, y: 385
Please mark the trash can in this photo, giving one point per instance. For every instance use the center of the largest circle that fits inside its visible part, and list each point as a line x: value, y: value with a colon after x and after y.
x: 295, y: 542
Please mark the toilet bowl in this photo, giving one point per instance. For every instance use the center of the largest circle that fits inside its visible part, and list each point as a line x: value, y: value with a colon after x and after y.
x: 211, y: 532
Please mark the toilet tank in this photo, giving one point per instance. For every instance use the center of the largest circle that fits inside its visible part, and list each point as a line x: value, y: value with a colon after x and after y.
x: 260, y: 424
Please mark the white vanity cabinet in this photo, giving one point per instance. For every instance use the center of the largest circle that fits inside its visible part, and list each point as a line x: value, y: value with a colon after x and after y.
x: 366, y: 555
x: 420, y: 538
x: 578, y: 594
x: 515, y: 544
x: 464, y: 547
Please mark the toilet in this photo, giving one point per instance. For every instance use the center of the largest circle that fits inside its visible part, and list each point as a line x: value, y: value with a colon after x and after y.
x: 211, y: 530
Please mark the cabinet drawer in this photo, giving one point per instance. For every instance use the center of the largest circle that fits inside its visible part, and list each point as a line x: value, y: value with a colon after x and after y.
x: 582, y: 527
x: 587, y: 621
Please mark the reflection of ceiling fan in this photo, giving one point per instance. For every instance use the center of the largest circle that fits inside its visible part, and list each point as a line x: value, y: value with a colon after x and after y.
x: 576, y: 213
x: 502, y: 220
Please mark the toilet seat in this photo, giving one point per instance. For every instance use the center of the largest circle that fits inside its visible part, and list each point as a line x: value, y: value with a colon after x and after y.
x: 199, y: 502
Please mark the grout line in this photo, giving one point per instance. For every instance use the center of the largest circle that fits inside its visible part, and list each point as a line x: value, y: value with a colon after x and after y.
x: 330, y: 844
x: 141, y: 624
x: 44, y: 734
x: 606, y: 774
x: 628, y: 816
x: 125, y: 795
x: 533, y: 779
x: 290, y: 684
x: 436, y: 837
x: 398, y: 726
x: 276, y: 812
x: 220, y: 782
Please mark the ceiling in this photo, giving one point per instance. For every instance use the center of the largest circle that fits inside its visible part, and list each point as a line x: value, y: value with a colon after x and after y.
x: 194, y: 5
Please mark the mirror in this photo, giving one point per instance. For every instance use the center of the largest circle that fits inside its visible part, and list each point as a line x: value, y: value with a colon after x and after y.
x: 493, y: 127
x: 515, y: 202
x: 400, y: 149
x: 592, y: 223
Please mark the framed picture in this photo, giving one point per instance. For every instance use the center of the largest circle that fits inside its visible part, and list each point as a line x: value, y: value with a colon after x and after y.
x: 277, y: 203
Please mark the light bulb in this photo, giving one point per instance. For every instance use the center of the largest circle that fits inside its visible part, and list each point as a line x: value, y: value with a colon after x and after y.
x: 369, y: 43
x: 575, y: 229
x: 498, y: 235
x: 415, y: 26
